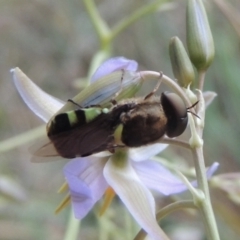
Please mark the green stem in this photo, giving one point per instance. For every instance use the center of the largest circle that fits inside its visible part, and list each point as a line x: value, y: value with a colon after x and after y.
x: 23, y: 138
x: 205, y: 206
x: 201, y: 78
x: 100, y: 25
x: 166, y: 211
x: 126, y: 22
x: 174, y: 207
x: 72, y: 228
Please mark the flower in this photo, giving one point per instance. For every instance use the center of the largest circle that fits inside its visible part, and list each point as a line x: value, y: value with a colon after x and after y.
x: 88, y: 178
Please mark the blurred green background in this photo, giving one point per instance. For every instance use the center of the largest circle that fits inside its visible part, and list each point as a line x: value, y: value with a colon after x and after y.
x: 53, y: 42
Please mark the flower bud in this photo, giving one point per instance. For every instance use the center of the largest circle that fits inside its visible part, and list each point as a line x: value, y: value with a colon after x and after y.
x: 181, y: 64
x: 199, y: 37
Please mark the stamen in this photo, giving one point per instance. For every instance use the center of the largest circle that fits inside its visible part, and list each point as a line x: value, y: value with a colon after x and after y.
x: 109, y: 195
x: 63, y: 188
x: 63, y: 204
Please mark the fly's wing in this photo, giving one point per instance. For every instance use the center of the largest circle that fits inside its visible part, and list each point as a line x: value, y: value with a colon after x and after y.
x: 81, y: 141
x: 44, y: 151
x: 84, y: 140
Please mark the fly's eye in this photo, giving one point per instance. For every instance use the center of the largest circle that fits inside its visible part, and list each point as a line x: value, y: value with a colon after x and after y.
x: 176, y: 113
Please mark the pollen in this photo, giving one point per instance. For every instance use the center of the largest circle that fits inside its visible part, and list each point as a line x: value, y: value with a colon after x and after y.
x: 109, y: 195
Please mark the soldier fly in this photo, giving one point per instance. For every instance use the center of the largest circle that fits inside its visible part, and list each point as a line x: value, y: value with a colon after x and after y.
x: 89, y: 130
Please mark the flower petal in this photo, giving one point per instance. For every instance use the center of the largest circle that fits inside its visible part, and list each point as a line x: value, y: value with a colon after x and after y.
x: 114, y: 64
x: 212, y: 169
x: 41, y: 103
x: 146, y: 152
x: 86, y: 183
x: 157, y: 177
x: 209, y: 96
x: 137, y: 198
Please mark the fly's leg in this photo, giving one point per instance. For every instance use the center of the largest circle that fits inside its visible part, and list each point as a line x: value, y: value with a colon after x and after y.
x: 74, y: 103
x: 113, y: 100
x: 71, y: 101
x: 156, y: 87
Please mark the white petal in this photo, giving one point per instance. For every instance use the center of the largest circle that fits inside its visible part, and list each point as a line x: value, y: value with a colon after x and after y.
x: 146, y: 152
x: 41, y: 103
x: 137, y: 198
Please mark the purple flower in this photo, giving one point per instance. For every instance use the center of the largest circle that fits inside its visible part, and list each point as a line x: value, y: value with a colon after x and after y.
x: 88, y: 178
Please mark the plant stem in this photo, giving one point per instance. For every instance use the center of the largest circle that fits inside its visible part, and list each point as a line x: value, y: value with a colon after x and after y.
x: 100, y: 25
x: 126, y: 22
x: 201, y: 78
x: 72, y: 228
x: 23, y: 138
x: 205, y: 206
x: 174, y: 207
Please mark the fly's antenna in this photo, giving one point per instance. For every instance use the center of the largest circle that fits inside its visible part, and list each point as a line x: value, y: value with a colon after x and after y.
x: 193, y: 113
